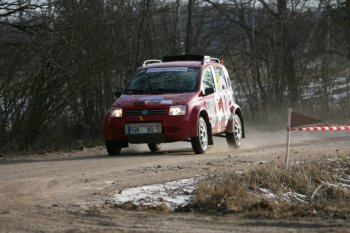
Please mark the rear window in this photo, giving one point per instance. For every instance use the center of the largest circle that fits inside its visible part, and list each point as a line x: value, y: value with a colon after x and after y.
x: 164, y: 80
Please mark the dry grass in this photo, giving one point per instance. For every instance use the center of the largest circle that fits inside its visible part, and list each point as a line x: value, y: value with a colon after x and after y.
x: 270, y: 190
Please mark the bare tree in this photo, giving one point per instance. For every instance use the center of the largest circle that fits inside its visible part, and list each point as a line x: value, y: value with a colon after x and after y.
x: 62, y: 60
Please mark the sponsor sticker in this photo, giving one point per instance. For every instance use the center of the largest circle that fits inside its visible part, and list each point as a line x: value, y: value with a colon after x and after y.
x: 166, y: 102
x: 152, y: 98
x: 172, y: 69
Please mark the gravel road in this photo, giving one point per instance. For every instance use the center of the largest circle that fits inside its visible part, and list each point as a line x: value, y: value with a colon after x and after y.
x: 68, y: 191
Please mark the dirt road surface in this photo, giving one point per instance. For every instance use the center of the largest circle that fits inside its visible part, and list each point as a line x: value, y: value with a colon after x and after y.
x: 68, y: 191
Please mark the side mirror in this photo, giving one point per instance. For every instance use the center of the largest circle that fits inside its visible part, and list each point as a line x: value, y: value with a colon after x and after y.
x: 118, y: 93
x: 209, y: 90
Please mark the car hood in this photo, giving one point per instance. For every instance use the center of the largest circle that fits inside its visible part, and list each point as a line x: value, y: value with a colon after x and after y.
x: 153, y: 100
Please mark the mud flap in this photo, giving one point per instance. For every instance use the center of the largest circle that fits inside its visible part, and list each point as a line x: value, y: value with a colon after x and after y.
x: 210, y: 135
x: 124, y: 144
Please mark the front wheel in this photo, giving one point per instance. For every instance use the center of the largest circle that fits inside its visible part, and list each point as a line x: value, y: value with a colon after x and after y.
x: 113, y: 148
x: 200, y: 143
x: 235, y: 139
x: 154, y: 147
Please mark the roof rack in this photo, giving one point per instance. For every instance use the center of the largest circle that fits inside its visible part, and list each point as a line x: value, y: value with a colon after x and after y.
x: 183, y: 58
x: 151, y: 61
x: 202, y: 58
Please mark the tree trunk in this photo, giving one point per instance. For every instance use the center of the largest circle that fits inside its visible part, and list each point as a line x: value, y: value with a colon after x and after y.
x: 188, y: 48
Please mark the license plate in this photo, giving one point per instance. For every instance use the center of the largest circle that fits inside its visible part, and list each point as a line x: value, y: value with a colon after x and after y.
x: 142, y: 129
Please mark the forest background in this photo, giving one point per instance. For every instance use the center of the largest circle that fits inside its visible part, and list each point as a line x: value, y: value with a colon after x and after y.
x: 62, y: 60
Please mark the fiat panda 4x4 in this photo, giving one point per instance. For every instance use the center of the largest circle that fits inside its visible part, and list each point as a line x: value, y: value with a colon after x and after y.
x: 178, y: 98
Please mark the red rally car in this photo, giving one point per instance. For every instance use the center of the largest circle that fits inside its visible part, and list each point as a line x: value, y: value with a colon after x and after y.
x: 179, y: 98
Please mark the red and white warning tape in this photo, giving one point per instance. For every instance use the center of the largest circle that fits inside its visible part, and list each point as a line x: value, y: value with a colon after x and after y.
x: 321, y: 128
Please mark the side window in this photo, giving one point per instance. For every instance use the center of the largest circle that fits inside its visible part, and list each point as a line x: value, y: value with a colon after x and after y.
x: 220, y: 78
x: 208, y: 80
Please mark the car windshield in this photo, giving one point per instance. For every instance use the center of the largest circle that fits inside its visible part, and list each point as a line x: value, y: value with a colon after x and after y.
x: 164, y: 80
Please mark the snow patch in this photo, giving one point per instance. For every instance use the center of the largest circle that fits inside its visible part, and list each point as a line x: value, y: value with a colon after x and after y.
x: 289, y: 196
x: 172, y: 194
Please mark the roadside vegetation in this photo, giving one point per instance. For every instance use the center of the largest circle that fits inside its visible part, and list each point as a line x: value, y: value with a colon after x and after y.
x: 270, y: 190
x: 61, y: 61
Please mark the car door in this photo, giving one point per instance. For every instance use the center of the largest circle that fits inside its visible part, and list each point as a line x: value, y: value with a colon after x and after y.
x: 210, y: 96
x: 223, y: 101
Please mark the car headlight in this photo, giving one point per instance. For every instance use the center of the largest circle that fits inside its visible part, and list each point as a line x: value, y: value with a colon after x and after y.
x: 177, y: 110
x: 116, y: 112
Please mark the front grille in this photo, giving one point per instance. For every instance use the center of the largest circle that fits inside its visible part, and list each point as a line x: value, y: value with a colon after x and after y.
x: 145, y: 112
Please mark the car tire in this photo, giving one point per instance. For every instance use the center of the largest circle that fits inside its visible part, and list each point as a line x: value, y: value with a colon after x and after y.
x: 113, y: 148
x: 154, y: 147
x: 200, y: 143
x: 234, y: 139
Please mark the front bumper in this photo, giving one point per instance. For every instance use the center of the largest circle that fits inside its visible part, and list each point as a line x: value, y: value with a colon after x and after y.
x: 173, y: 128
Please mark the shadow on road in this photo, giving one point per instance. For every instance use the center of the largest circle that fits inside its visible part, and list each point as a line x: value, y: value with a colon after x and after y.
x: 103, y: 156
